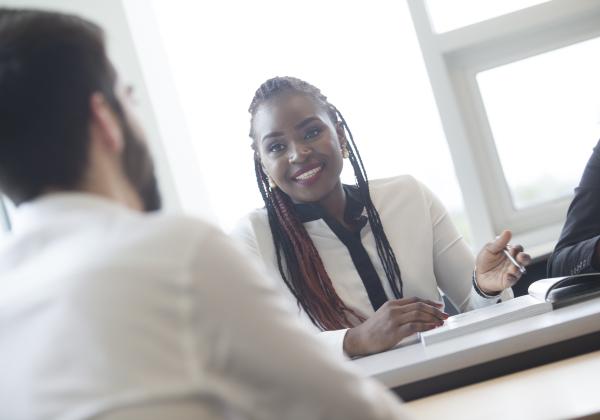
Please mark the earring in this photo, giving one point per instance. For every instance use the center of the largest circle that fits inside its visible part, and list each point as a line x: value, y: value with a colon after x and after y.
x: 345, y: 153
x: 272, y: 183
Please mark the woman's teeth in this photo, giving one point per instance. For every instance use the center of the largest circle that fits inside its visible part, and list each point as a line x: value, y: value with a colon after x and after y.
x: 309, y: 174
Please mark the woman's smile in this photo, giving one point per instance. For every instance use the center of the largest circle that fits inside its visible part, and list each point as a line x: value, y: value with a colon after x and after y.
x: 309, y: 174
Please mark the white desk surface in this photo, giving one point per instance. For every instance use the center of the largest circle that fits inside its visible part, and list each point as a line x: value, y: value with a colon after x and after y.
x: 559, y: 390
x: 417, y: 362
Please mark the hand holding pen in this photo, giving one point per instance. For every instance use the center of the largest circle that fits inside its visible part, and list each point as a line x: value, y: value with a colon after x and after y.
x: 514, y: 262
x: 500, y: 265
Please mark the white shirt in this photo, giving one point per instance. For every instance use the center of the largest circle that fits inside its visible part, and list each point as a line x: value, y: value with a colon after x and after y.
x: 104, y: 310
x: 430, y: 252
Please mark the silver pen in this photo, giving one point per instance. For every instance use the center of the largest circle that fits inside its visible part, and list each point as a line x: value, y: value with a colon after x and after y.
x: 512, y: 260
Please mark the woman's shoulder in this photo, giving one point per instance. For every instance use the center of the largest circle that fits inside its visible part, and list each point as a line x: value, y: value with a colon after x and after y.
x: 254, y: 216
x: 399, y: 184
x: 251, y: 224
x: 400, y: 191
x: 253, y: 233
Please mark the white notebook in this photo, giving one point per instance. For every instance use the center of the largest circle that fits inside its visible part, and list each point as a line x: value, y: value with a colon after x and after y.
x: 487, y: 317
x: 544, y: 295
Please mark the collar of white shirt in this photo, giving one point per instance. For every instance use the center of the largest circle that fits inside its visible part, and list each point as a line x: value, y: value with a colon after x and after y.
x: 49, y: 206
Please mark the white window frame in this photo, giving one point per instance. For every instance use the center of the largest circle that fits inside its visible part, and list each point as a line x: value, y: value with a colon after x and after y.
x: 453, y: 60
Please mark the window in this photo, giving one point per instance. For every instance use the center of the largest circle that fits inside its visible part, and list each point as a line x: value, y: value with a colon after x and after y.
x: 518, y: 95
x: 366, y: 59
x: 448, y: 15
x: 549, y: 103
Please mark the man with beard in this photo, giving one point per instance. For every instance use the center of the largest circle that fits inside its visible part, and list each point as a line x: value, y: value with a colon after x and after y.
x: 109, y: 309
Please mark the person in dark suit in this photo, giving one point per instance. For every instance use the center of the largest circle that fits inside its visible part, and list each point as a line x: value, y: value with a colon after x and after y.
x: 578, y: 249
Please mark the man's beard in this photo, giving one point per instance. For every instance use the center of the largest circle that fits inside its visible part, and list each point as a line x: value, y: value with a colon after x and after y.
x: 139, y: 168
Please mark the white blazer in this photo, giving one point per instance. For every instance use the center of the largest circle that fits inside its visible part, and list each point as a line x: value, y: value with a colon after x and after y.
x: 431, y: 254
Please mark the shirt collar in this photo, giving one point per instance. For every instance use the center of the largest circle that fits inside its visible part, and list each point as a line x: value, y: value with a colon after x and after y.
x: 51, y: 206
x: 353, y: 212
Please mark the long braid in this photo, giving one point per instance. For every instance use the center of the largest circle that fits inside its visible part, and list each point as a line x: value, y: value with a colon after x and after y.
x: 384, y: 250
x: 304, y: 272
x: 306, y: 276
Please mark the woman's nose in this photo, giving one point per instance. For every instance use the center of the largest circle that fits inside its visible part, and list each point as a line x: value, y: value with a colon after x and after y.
x: 298, y: 153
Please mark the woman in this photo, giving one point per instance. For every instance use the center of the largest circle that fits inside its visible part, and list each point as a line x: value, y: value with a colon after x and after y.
x: 364, y: 286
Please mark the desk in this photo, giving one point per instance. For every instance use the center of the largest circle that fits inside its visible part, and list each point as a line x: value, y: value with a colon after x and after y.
x: 559, y: 390
x: 416, y: 371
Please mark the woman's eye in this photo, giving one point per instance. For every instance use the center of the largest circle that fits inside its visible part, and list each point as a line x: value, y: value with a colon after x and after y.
x: 276, y: 147
x: 312, y: 133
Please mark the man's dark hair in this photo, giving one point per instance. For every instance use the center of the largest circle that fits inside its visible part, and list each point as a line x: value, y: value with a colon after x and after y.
x: 50, y: 65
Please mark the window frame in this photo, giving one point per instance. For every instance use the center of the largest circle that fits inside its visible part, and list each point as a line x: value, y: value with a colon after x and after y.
x: 453, y: 59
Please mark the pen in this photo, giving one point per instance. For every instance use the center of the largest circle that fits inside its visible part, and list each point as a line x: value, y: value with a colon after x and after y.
x: 512, y: 260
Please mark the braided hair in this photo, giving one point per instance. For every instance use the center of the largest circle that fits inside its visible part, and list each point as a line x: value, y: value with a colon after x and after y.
x: 304, y: 273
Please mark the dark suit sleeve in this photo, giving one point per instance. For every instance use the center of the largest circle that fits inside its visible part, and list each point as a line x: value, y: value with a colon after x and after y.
x: 575, y: 249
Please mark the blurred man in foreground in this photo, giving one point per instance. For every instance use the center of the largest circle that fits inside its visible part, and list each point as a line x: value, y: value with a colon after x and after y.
x: 109, y: 309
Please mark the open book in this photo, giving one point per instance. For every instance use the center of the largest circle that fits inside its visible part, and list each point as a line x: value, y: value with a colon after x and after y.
x: 544, y: 295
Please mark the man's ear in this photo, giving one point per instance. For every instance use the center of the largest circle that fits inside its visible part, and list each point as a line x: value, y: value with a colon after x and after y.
x: 104, y: 124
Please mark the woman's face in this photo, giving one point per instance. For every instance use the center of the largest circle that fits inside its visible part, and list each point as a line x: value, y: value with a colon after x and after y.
x: 299, y: 146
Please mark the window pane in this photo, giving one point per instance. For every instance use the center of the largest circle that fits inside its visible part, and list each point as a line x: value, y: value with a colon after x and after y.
x: 375, y: 76
x: 544, y: 113
x: 446, y: 15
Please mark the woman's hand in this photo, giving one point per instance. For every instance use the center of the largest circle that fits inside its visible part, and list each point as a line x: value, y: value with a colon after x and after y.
x: 393, y: 321
x: 495, y: 272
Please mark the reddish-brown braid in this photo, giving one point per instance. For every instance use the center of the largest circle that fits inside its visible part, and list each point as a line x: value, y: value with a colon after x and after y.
x: 317, y: 290
x: 304, y: 272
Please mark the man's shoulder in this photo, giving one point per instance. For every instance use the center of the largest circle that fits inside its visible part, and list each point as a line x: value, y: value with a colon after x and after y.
x: 181, y: 226
x: 176, y: 222
x: 173, y: 234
